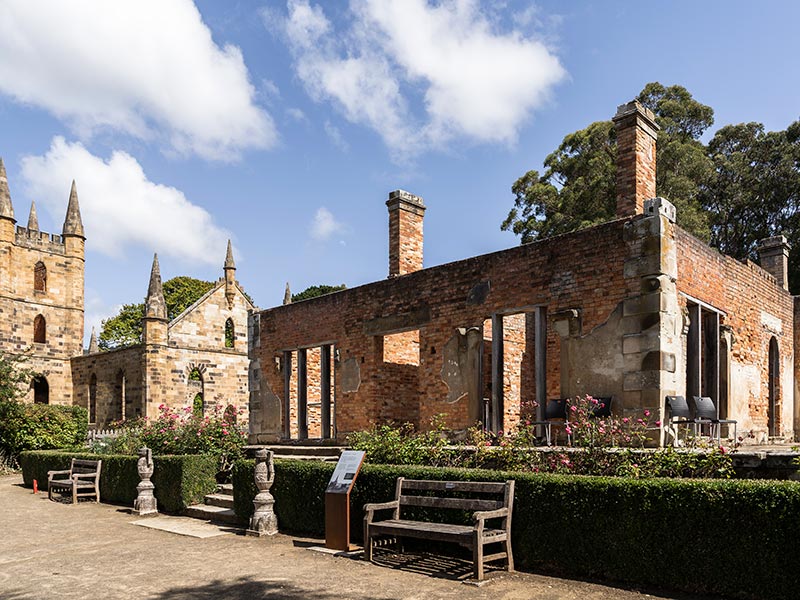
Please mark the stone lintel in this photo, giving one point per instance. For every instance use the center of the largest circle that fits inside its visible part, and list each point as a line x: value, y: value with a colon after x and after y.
x: 398, y: 323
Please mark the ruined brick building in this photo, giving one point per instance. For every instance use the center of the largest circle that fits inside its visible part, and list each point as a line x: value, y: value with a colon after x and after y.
x: 198, y: 360
x: 635, y: 309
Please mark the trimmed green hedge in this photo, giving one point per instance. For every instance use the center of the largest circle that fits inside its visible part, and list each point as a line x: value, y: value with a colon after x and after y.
x: 40, y: 426
x: 734, y: 538
x: 179, y: 480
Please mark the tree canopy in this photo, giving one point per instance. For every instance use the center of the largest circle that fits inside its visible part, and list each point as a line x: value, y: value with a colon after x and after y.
x: 742, y: 186
x: 14, y: 376
x: 125, y: 328
x: 317, y: 290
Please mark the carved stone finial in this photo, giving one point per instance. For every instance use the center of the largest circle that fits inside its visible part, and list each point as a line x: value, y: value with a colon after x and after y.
x: 155, y: 307
x: 264, y: 521
x: 93, y: 348
x: 145, y: 503
x: 287, y: 295
x: 73, y: 225
x: 6, y: 208
x: 33, y: 219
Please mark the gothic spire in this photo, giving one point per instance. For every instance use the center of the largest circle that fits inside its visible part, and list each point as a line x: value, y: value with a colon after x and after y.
x: 72, y: 223
x: 287, y: 295
x: 155, y: 307
x: 33, y: 220
x: 6, y: 208
x: 93, y: 343
x: 229, y: 264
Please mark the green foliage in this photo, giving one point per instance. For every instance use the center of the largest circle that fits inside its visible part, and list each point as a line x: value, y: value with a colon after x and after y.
x: 578, y: 189
x: 755, y: 192
x: 40, y: 426
x: 317, y: 290
x: 125, y: 328
x: 14, y: 376
x: 186, y: 432
x: 179, y: 481
x: 664, y: 533
x: 603, y: 446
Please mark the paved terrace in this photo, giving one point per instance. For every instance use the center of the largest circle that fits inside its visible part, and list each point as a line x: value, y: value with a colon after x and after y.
x: 52, y: 549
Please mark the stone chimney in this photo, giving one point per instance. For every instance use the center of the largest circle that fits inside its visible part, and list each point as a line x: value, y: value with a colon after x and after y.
x: 636, y: 157
x: 406, y: 212
x: 773, y: 254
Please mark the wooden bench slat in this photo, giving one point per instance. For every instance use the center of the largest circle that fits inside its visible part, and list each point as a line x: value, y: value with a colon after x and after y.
x: 488, y: 487
x: 456, y: 503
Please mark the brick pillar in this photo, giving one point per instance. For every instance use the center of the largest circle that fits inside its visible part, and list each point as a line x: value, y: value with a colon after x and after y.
x: 773, y: 254
x: 406, y: 212
x: 636, y: 157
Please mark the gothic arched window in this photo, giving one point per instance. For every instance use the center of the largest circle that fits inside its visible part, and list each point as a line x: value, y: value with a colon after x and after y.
x: 39, y: 330
x: 39, y: 277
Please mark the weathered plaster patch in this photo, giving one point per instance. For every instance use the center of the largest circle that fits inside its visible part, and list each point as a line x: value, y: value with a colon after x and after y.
x: 350, y: 375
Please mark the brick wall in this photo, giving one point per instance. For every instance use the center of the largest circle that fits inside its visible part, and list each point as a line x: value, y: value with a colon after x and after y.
x: 756, y: 310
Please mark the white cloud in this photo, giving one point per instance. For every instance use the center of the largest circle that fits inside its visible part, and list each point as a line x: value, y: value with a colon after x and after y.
x: 474, y: 81
x: 325, y: 225
x: 297, y: 115
x: 335, y: 134
x: 149, y: 69
x: 120, y: 207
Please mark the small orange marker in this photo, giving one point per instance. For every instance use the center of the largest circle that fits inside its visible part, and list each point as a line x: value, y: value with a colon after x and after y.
x: 35, y: 487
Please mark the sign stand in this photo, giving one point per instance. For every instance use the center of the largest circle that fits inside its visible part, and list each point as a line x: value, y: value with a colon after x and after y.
x: 337, y: 500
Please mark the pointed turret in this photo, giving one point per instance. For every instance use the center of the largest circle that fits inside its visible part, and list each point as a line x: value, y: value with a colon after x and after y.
x: 287, y: 295
x: 230, y: 277
x: 33, y: 220
x: 6, y: 208
x: 229, y: 264
x: 154, y: 322
x: 155, y: 307
x: 72, y: 223
x: 93, y: 348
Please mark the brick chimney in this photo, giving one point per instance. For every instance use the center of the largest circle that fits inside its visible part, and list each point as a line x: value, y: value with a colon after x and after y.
x: 636, y: 157
x: 406, y: 212
x: 773, y: 255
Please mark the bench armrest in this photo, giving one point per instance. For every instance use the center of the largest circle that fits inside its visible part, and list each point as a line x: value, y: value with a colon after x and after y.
x: 84, y: 475
x: 370, y: 509
x: 51, y: 473
x: 490, y: 514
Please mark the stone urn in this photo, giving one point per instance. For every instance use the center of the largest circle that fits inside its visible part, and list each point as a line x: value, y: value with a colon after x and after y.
x: 264, y: 521
x: 145, y: 503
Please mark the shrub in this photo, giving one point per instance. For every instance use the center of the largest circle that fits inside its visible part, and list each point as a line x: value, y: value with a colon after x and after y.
x: 179, y: 481
x: 184, y: 433
x: 732, y: 538
x: 598, y: 452
x: 40, y: 426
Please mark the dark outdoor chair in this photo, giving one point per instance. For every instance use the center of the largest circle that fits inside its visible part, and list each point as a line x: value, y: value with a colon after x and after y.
x: 602, y: 409
x: 555, y: 413
x: 678, y: 413
x: 705, y: 413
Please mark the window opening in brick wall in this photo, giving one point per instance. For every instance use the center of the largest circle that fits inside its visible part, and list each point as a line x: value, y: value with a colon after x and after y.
x: 40, y: 277
x: 39, y: 329
x: 308, y: 403
x: 397, y: 359
x: 229, y: 334
x: 703, y: 353
x: 41, y: 390
x: 724, y: 379
x: 93, y: 399
x: 773, y: 406
x: 513, y: 371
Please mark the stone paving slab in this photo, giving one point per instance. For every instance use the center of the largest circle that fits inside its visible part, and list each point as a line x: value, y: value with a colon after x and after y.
x: 56, y: 550
x: 184, y: 526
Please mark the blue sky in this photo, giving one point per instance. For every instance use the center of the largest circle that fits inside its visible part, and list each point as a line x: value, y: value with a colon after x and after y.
x: 284, y: 125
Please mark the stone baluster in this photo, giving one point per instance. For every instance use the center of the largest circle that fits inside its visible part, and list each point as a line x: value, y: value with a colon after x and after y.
x: 264, y: 521
x: 145, y: 503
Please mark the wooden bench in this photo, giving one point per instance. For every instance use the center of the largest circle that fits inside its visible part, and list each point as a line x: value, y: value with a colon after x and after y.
x: 83, y: 479
x: 489, y: 500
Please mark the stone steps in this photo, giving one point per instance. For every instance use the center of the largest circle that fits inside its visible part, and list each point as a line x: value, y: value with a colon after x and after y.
x: 216, y: 507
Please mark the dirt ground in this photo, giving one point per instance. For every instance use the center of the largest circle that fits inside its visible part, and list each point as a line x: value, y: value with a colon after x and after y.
x: 53, y: 549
